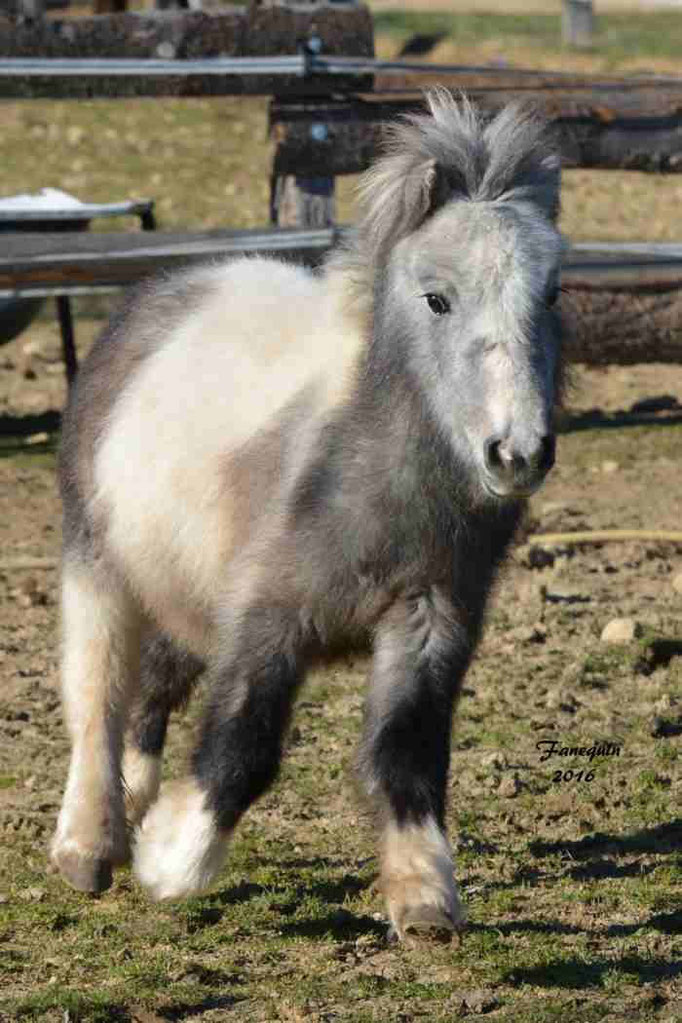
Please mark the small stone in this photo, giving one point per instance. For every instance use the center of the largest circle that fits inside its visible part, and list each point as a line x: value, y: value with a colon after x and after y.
x: 562, y: 595
x: 496, y: 761
x: 677, y: 582
x: 30, y: 594
x: 510, y: 786
x: 32, y: 895
x: 610, y: 466
x: 620, y: 631
x: 37, y: 438
x: 480, y: 1001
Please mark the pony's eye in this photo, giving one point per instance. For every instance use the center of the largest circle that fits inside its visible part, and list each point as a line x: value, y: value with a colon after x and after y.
x: 438, y: 305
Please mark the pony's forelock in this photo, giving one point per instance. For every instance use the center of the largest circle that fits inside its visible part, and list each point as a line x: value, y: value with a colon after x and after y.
x: 452, y: 151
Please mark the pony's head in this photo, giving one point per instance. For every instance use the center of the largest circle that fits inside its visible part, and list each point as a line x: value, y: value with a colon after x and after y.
x: 460, y: 247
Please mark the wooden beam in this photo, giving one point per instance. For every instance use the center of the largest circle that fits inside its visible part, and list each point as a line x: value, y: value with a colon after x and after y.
x: 46, y: 264
x: 34, y: 260
x: 638, y: 128
x: 624, y: 305
x: 253, y: 30
x: 624, y: 327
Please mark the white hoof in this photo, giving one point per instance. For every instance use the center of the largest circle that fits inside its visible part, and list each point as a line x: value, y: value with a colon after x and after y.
x: 418, y: 881
x: 178, y: 850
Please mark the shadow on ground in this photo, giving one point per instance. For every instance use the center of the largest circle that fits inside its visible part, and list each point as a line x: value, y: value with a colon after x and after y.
x: 664, y: 838
x: 15, y: 431
x: 576, y: 973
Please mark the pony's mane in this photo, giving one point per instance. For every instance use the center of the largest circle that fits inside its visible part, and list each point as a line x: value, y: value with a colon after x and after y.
x: 450, y: 152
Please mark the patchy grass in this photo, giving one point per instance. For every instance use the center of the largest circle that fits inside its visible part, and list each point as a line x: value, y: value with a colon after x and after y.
x: 572, y: 886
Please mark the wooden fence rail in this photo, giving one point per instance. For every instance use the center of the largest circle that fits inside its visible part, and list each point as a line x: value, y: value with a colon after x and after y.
x: 623, y: 302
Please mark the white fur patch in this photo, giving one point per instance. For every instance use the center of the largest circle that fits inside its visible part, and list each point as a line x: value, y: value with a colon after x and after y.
x: 179, y: 850
x: 261, y: 333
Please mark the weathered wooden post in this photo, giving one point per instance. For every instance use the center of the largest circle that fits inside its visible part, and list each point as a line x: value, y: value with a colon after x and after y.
x: 308, y: 200
x: 577, y: 23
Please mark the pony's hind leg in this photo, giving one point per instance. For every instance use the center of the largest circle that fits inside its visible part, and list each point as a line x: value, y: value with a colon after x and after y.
x: 182, y: 842
x: 99, y: 666
x: 421, y: 652
x: 167, y: 675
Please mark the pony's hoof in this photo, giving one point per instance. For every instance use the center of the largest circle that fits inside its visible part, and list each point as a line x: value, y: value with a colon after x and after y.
x: 83, y: 872
x: 419, y: 911
x: 429, y: 921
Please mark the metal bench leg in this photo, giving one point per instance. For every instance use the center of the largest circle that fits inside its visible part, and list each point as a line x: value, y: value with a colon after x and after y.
x: 68, y: 346
x: 148, y: 220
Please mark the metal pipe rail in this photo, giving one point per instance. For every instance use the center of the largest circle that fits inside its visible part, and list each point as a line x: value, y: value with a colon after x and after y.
x: 107, y: 67
x: 333, y: 65
x: 303, y: 64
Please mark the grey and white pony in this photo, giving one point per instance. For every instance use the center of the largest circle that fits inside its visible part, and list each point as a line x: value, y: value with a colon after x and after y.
x: 258, y: 460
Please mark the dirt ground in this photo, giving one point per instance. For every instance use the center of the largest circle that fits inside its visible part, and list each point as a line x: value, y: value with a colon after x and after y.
x: 542, y: 663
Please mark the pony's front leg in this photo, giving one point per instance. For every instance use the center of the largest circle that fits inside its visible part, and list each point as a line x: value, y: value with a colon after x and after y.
x: 101, y: 627
x: 421, y: 653
x: 182, y: 842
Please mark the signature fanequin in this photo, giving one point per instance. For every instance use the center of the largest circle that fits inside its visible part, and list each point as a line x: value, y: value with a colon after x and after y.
x: 552, y: 747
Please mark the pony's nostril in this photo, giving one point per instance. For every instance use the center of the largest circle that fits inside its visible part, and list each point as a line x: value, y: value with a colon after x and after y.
x: 510, y: 466
x: 492, y: 453
x: 499, y: 458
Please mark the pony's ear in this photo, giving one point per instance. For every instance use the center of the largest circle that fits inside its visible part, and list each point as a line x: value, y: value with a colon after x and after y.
x: 435, y: 185
x: 424, y: 191
x: 548, y: 188
x: 441, y: 184
x: 397, y: 195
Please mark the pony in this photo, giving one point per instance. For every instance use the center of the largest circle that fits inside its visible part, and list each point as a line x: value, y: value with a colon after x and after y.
x: 259, y: 460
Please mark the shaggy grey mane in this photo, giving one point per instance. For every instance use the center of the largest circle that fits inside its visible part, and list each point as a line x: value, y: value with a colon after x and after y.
x: 450, y: 152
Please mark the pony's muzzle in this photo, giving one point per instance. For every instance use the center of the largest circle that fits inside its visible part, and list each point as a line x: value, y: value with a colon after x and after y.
x: 515, y: 473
